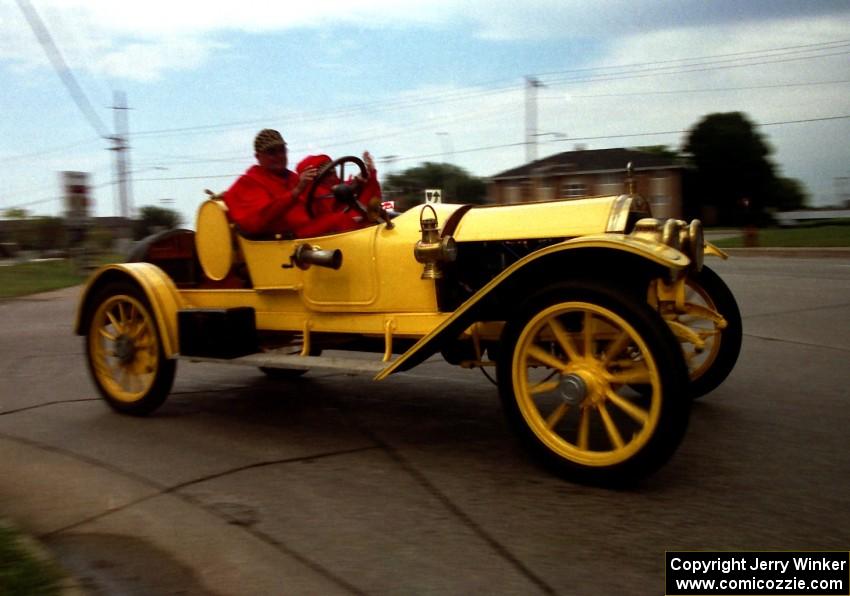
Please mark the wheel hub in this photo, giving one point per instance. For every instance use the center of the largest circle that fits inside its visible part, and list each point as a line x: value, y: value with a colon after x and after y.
x: 125, y: 349
x: 573, y: 389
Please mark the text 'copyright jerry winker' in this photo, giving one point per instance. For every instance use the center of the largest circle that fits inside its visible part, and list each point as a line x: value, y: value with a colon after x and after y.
x: 757, y: 573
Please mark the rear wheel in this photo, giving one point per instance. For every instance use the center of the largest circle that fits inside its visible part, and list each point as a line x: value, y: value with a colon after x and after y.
x: 124, y: 351
x: 564, y: 378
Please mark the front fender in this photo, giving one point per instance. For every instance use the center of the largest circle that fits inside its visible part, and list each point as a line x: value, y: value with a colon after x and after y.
x: 617, y: 246
x: 159, y: 289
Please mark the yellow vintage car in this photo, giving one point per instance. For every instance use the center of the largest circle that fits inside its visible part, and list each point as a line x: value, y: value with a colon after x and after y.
x: 600, y: 322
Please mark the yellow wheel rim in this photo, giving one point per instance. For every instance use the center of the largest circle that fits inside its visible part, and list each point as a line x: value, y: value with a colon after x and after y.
x: 709, y: 331
x: 123, y: 348
x: 572, y: 366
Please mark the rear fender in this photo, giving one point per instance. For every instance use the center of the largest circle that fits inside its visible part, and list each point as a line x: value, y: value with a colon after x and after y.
x: 605, y: 256
x: 159, y: 289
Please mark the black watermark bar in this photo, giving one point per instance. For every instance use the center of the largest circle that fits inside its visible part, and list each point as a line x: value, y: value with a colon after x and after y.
x: 757, y: 573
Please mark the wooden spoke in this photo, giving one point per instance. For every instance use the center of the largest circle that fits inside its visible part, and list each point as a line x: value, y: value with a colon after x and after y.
x: 564, y: 339
x: 544, y: 387
x: 637, y: 414
x: 615, y: 348
x: 611, y: 428
x: 638, y: 375
x: 115, y: 324
x: 556, y: 416
x: 545, y: 357
x: 104, y: 333
x: 584, y: 429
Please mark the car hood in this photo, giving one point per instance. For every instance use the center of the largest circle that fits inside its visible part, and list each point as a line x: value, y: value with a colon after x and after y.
x: 550, y: 219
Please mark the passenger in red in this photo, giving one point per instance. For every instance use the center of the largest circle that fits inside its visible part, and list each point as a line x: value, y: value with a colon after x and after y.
x: 265, y: 199
x: 324, y: 201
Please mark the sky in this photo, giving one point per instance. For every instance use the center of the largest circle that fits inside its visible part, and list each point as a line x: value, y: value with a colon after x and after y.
x: 434, y: 80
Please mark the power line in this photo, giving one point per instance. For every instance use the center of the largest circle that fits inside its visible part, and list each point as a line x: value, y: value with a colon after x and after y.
x: 332, y: 142
x: 47, y: 151
x: 684, y: 69
x: 62, y: 69
x: 467, y: 150
x: 632, y: 65
x: 635, y: 70
x: 703, y: 90
x: 519, y: 144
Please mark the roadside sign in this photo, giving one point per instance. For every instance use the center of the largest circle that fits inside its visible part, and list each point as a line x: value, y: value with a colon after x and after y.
x: 433, y: 195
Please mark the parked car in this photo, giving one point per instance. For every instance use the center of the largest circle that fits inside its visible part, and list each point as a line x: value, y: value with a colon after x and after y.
x: 600, y: 322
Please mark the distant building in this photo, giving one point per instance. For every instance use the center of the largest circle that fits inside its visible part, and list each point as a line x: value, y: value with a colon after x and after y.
x: 588, y: 173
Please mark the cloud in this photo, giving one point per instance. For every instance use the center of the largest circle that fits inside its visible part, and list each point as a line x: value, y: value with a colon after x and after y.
x: 142, y: 40
x: 147, y: 60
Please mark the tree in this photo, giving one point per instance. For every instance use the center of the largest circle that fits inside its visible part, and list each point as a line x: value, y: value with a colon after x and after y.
x: 154, y: 219
x: 733, y: 171
x: 788, y: 194
x: 48, y: 233
x: 458, y: 185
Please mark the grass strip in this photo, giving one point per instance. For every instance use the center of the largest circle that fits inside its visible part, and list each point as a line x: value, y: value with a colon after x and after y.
x: 32, y: 277
x: 822, y: 236
x: 23, y: 573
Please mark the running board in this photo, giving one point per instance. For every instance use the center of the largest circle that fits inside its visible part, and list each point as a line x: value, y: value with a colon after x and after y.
x: 293, y: 361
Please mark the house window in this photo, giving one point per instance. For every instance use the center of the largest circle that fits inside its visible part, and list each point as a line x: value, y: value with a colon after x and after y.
x: 609, y: 184
x: 513, y: 194
x: 546, y: 192
x: 573, y: 190
x: 659, y: 196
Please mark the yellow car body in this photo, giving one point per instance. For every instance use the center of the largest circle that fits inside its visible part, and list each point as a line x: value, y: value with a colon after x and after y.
x: 446, y: 278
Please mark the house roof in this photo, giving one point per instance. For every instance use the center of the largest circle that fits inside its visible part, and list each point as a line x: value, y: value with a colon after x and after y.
x: 585, y: 161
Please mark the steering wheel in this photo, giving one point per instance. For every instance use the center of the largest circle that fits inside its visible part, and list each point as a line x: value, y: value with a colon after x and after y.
x: 345, y: 193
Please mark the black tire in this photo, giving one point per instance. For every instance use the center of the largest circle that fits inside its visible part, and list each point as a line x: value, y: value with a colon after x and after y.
x: 567, y: 429
x: 124, y: 351
x: 719, y: 297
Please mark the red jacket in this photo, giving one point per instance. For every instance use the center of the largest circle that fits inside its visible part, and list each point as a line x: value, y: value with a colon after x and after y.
x: 261, y: 202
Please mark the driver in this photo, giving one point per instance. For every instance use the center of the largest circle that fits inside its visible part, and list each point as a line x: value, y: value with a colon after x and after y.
x: 265, y: 199
x: 324, y: 201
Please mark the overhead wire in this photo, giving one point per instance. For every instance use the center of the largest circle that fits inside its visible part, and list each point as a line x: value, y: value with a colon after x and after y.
x: 189, y: 160
x: 687, y: 69
x: 555, y: 79
x: 331, y: 142
x: 827, y: 45
x: 521, y: 143
x: 665, y: 67
x: 700, y: 90
x: 43, y: 152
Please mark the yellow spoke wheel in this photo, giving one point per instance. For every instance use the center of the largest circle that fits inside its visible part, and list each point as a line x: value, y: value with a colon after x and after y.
x: 124, y: 351
x: 565, y: 384
x: 709, y: 367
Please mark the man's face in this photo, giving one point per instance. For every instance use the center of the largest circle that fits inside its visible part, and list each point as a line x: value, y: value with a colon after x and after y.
x: 273, y: 159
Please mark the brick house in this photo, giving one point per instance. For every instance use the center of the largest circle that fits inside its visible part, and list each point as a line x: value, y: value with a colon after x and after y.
x: 588, y: 173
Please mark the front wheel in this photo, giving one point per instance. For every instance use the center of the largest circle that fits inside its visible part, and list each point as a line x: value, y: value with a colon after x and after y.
x: 124, y: 351
x: 709, y: 367
x: 564, y: 377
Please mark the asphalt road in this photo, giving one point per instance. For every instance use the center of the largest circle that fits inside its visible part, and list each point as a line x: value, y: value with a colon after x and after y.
x: 335, y: 484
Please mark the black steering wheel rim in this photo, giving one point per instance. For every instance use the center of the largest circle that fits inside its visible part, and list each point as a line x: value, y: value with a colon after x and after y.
x: 355, y: 190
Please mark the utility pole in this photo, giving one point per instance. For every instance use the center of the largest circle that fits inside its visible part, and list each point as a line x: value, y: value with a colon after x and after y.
x: 531, y: 85
x: 121, y: 148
